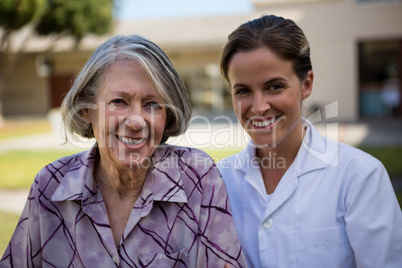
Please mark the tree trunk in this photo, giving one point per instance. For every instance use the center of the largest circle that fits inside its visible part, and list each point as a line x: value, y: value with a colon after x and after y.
x: 1, y: 97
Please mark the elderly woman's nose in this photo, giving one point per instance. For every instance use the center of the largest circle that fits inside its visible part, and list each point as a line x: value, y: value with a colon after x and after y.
x: 136, y: 122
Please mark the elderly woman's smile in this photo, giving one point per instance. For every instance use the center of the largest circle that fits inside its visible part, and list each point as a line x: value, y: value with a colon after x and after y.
x: 131, y: 141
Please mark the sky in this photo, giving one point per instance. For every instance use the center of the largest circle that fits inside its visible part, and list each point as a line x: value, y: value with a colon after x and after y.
x: 152, y: 9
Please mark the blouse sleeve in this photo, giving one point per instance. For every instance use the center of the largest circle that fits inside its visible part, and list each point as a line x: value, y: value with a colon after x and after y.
x: 219, y: 243
x: 24, y: 248
x: 373, y: 218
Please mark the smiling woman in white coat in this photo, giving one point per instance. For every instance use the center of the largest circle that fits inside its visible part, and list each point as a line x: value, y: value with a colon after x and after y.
x: 299, y: 199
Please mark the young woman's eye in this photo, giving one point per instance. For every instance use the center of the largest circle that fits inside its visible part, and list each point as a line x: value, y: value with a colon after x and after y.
x: 276, y: 88
x: 242, y: 91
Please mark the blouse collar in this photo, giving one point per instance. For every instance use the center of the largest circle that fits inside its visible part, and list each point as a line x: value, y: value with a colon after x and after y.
x: 163, y: 182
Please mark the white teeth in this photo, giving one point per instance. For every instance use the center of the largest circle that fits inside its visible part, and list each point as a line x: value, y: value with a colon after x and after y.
x: 131, y: 141
x: 264, y: 123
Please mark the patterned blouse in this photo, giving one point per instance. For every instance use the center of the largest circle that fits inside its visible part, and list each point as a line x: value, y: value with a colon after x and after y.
x: 181, y: 219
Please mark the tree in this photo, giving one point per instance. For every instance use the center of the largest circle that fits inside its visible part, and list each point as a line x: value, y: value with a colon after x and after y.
x: 14, y: 14
x: 74, y: 18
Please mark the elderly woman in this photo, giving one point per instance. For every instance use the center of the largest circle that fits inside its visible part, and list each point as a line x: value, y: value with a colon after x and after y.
x: 131, y: 200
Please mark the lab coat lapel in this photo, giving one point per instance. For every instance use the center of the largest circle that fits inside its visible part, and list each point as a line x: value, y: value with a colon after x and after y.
x: 246, y: 161
x: 285, y: 189
x: 315, y: 152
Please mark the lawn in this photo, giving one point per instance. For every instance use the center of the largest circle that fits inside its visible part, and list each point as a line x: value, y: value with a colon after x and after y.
x: 18, y: 168
x: 8, y: 222
x: 389, y: 156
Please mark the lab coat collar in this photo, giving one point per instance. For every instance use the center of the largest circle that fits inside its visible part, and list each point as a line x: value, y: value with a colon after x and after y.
x: 316, y: 151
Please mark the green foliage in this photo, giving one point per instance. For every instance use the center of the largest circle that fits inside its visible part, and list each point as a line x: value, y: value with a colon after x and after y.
x: 14, y: 14
x: 76, y: 17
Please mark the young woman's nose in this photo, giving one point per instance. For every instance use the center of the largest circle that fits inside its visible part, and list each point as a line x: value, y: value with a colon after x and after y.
x: 260, y: 104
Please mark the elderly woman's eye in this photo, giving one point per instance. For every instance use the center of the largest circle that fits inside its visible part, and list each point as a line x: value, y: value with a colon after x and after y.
x: 118, y: 101
x: 153, y: 104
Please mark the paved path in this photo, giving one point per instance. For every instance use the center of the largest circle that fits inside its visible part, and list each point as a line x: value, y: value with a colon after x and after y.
x: 41, y: 142
x: 13, y: 201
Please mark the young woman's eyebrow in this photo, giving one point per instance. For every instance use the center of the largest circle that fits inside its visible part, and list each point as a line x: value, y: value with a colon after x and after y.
x: 275, y: 79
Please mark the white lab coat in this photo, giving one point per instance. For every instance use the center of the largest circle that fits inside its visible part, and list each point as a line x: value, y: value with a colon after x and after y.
x: 334, y: 207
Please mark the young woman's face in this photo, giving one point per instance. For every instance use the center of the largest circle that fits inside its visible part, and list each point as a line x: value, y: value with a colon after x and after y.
x: 129, y: 119
x: 267, y: 96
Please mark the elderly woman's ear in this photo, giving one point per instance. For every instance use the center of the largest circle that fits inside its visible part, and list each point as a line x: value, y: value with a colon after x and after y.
x: 85, y: 115
x: 88, y: 130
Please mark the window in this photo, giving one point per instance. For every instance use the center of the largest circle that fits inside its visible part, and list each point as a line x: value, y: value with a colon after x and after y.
x: 380, y: 78
x: 379, y: 1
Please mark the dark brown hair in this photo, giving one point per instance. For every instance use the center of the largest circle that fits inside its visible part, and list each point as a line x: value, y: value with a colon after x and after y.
x: 281, y: 35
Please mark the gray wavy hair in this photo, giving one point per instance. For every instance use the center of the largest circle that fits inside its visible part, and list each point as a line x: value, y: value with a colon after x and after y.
x: 166, y: 81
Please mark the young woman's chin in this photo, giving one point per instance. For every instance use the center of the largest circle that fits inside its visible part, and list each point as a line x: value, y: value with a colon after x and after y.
x: 265, y: 142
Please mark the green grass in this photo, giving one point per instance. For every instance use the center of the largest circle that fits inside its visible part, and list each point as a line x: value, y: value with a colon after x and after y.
x: 8, y: 222
x: 218, y: 154
x: 389, y: 156
x: 18, y: 168
x: 399, y: 197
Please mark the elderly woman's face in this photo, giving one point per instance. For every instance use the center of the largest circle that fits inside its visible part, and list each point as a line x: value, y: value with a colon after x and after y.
x: 130, y: 117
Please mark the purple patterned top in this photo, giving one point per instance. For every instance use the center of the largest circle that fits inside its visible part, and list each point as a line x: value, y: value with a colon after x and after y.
x: 181, y: 219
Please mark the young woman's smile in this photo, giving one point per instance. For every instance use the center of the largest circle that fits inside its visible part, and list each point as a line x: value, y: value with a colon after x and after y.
x: 267, y: 96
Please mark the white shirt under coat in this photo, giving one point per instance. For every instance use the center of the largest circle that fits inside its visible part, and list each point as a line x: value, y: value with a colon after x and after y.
x: 334, y: 207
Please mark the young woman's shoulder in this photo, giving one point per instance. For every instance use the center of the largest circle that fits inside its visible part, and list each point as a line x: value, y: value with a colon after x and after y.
x: 352, y: 155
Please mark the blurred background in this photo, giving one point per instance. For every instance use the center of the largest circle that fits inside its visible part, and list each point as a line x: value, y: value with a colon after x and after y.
x: 356, y: 53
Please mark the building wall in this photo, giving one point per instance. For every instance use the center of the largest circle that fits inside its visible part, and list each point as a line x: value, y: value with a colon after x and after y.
x: 25, y: 93
x: 334, y: 29
x: 199, y: 70
x: 28, y: 93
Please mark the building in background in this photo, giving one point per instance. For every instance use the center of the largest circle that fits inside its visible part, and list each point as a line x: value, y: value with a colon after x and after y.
x: 356, y: 53
x: 356, y: 50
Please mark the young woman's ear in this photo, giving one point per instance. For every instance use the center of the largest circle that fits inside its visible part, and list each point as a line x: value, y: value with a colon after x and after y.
x: 307, y: 85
